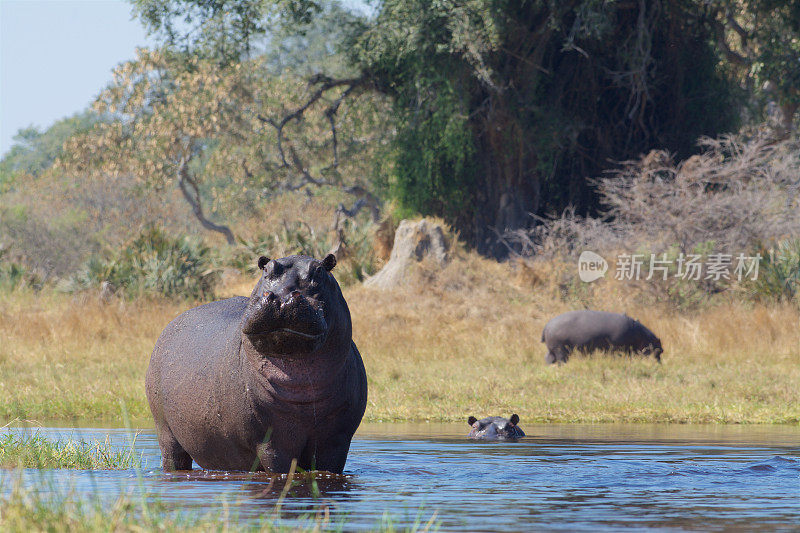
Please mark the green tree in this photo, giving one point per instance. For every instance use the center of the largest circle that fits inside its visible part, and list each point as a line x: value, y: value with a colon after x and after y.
x: 34, y: 151
x: 506, y: 108
x: 760, y: 39
x: 224, y: 30
x: 165, y: 121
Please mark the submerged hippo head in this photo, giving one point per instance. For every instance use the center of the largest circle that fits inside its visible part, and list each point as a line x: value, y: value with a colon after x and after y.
x: 295, y: 307
x: 495, y: 427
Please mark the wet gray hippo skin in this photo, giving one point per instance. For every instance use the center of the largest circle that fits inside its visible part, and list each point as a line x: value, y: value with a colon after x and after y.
x: 597, y: 330
x: 256, y: 382
x: 495, y: 427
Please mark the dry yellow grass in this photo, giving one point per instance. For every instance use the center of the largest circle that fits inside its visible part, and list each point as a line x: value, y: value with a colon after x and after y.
x: 467, y: 342
x: 74, y: 357
x: 442, y: 352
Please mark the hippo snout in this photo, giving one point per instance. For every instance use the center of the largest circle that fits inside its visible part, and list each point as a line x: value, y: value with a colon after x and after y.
x: 288, y: 325
x: 657, y: 353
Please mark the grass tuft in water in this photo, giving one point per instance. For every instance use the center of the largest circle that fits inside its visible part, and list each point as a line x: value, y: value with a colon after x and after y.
x: 24, y: 510
x: 35, y: 451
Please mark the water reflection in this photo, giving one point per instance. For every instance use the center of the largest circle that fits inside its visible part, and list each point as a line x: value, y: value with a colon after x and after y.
x: 560, y: 477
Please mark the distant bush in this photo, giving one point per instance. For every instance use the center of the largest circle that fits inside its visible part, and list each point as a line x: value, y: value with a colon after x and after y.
x: 53, y: 224
x: 14, y: 275
x: 779, y: 273
x: 737, y: 193
x: 47, y: 244
x: 154, y: 263
x: 353, y: 248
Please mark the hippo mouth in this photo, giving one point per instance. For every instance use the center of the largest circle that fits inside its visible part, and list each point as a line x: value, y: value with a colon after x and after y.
x: 289, y: 331
x: 312, y: 333
x: 286, y: 342
x: 285, y: 334
x: 293, y: 325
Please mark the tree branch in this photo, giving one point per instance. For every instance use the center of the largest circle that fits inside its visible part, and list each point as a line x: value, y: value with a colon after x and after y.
x: 308, y: 179
x: 191, y: 193
x: 331, y: 114
x: 366, y: 198
x: 325, y: 84
x: 291, y: 159
x: 730, y: 54
x: 744, y: 37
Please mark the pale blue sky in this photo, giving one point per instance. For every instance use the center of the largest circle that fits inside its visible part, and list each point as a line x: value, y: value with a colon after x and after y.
x: 57, y: 55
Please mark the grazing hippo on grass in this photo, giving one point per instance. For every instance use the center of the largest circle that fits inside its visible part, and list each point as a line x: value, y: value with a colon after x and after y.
x: 597, y: 330
x: 495, y: 427
x: 252, y: 383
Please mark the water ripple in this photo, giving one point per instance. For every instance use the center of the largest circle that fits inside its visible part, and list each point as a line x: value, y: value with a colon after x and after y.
x: 557, y: 480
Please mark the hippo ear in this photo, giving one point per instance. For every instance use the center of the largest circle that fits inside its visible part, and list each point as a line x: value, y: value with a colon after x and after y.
x: 329, y: 262
x: 262, y: 262
x: 515, y: 419
x: 471, y: 420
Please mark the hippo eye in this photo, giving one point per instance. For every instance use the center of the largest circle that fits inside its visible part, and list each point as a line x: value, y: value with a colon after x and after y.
x: 316, y: 274
x: 273, y: 269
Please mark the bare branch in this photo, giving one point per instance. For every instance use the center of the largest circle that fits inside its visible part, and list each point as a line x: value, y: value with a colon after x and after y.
x: 744, y: 36
x: 368, y: 199
x: 331, y: 114
x: 308, y: 179
x: 325, y: 84
x: 191, y: 193
x: 730, y: 54
x: 291, y: 159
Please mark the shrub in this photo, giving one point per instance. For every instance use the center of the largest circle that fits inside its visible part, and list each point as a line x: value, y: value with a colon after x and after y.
x: 737, y: 193
x: 294, y: 238
x: 14, y: 275
x: 353, y: 248
x: 154, y: 263
x: 779, y: 273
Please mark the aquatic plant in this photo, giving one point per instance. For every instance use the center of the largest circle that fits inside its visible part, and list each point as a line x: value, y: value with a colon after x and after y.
x: 36, y: 451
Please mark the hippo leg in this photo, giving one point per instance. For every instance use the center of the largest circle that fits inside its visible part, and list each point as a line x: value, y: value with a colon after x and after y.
x: 277, y: 458
x: 330, y: 458
x: 173, y: 456
x: 550, y: 358
x: 561, y: 354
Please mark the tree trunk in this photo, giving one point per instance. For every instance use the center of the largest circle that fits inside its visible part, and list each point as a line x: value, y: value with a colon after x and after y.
x: 510, y: 185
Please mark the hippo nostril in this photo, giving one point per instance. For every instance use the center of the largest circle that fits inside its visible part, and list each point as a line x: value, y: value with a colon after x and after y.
x: 269, y: 295
x: 295, y: 294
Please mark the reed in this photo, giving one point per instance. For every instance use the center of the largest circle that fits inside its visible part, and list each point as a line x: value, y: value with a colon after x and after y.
x: 24, y: 510
x: 35, y: 451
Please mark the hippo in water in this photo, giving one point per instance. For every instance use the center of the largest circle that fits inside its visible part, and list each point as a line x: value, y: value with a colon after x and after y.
x: 495, y: 427
x: 597, y: 330
x: 253, y: 383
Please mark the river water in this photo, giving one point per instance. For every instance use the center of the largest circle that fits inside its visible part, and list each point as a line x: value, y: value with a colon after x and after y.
x: 560, y: 477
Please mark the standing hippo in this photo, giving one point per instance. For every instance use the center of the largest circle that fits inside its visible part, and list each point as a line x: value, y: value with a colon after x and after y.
x: 495, y: 427
x: 597, y: 330
x: 252, y: 383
